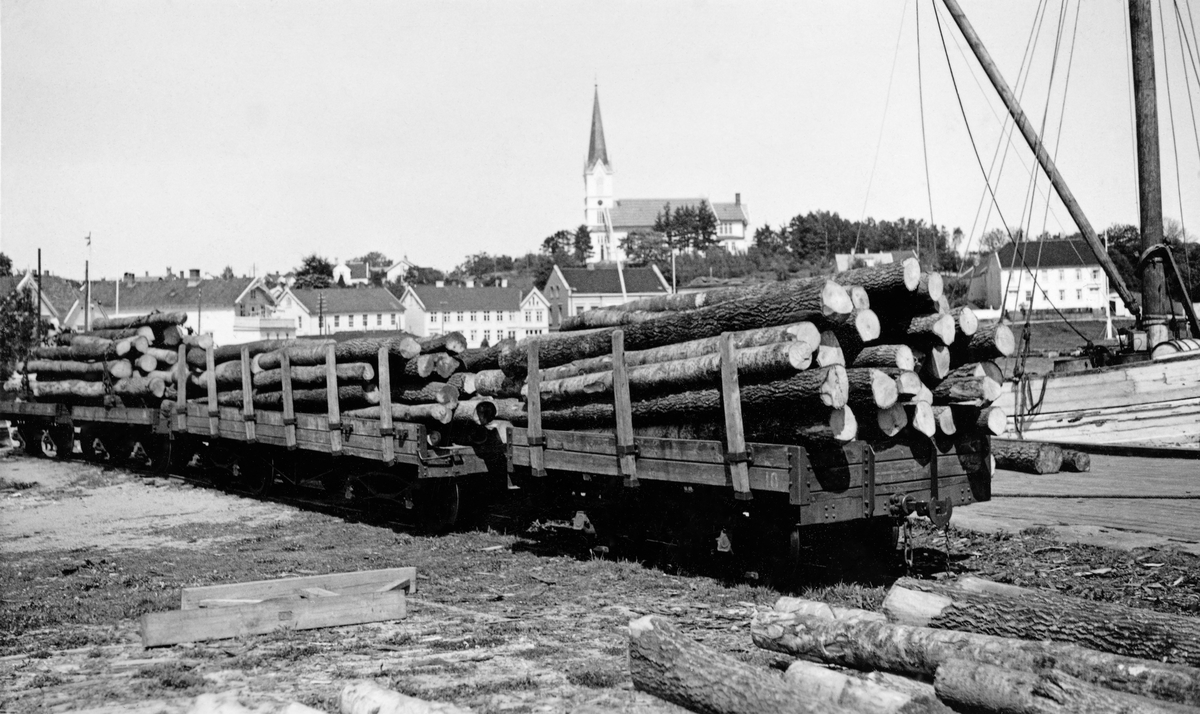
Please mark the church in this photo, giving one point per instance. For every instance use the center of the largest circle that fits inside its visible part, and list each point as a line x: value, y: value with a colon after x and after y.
x: 609, y: 220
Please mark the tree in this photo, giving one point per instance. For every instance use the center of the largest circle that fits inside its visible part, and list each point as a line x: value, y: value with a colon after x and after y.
x: 375, y: 259
x: 417, y: 275
x: 646, y: 247
x: 993, y: 240
x: 557, y: 244
x: 18, y: 328
x: 5, y: 264
x: 702, y: 231
x: 227, y: 273
x: 314, y: 272
x: 582, y: 243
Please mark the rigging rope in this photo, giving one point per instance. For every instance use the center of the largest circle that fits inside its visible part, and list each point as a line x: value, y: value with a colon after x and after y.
x: 924, y: 145
x: 979, y: 161
x: 1181, y: 34
x: 1137, y: 203
x: 1162, y: 21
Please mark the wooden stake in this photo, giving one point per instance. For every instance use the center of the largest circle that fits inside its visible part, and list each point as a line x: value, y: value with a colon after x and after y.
x: 736, y: 455
x: 181, y: 374
x: 533, y: 406
x: 213, y: 411
x: 247, y: 398
x: 331, y: 396
x: 623, y: 410
x: 386, y: 429
x: 289, y: 407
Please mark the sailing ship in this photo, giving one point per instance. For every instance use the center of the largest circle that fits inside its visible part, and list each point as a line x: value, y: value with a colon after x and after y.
x: 1148, y: 393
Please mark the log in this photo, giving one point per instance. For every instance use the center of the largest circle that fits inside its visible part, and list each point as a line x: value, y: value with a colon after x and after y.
x: 818, y: 608
x: 829, y: 351
x: 965, y: 322
x: 407, y: 392
x: 983, y: 687
x: 480, y: 412
x: 991, y: 341
x: 366, y: 349
x: 826, y: 303
x: 891, y: 421
x: 202, y: 341
x: 1077, y: 461
x: 82, y: 338
x: 754, y: 364
x: 153, y: 319
x: 464, y: 382
x: 825, y: 386
x: 606, y: 317
x: 122, y: 333
x: 477, y: 359
x: 80, y: 370
x: 664, y: 663
x: 934, y: 364
x: 419, y: 413
x: 894, y: 356
x: 943, y: 416
x: 924, y: 394
x: 271, y: 380
x: 921, y: 418
x: 167, y: 357
x: 171, y: 335
x: 420, y: 366
x: 146, y: 363
x: 855, y: 694
x: 832, y: 428
x: 452, y: 342
x: 366, y: 697
x: 919, y: 651
x: 1031, y: 457
x: 967, y: 385
x: 444, y: 365
x: 1046, y: 615
x: 929, y: 329
x: 891, y: 281
x: 800, y: 332
x: 349, y: 397
x: 853, y: 335
x: 166, y: 375
x: 495, y: 383
x: 930, y: 286
x: 908, y: 384
x: 859, y: 297
x: 77, y: 352
x: 870, y: 389
x: 988, y: 420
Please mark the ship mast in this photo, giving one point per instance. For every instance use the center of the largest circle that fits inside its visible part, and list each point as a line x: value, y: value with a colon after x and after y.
x: 1156, y: 304
x: 1035, y: 143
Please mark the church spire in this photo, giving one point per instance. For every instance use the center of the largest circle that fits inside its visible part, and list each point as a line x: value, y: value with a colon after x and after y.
x: 597, y: 151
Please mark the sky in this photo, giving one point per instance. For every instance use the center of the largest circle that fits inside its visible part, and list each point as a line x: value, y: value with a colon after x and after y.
x: 250, y: 133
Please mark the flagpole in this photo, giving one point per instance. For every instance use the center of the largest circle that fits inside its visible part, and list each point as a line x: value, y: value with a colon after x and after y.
x: 87, y: 278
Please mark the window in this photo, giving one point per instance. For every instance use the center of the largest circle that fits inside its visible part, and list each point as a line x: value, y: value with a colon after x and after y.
x: 1062, y: 294
x: 472, y: 316
x: 472, y: 335
x: 527, y: 316
x: 364, y: 320
x: 336, y: 319
x: 1062, y: 275
x: 1095, y: 273
x: 512, y: 317
x: 432, y: 318
x: 459, y: 316
x: 349, y: 320
x: 1028, y: 295
x: 533, y: 332
x: 539, y: 315
x: 393, y: 319
x: 1078, y: 274
x: 512, y: 334
x: 379, y: 319
x: 299, y: 322
x: 579, y: 310
x: 487, y: 335
x: 1078, y: 294
x: 487, y: 316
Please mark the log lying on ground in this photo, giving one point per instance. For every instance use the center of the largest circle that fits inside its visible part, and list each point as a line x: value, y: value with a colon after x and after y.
x: 464, y: 382
x: 870, y: 389
x: 894, y: 356
x: 858, y: 695
x: 919, y: 651
x: 495, y: 383
x: 827, y: 386
x: 433, y: 413
x: 1046, y: 615
x: 70, y: 368
x: 990, y: 341
x: 425, y: 393
x: 366, y: 697
x: 972, y: 686
x: 754, y: 364
x: 349, y: 397
x: 827, y: 303
x: 670, y: 666
x: 477, y: 359
x: 1032, y: 457
x: 800, y: 332
x: 480, y: 412
x: 153, y: 319
x: 122, y: 333
x: 271, y: 380
x: 1076, y: 461
x: 452, y: 342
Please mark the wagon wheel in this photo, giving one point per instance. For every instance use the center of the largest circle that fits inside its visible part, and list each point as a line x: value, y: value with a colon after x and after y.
x: 254, y: 477
x: 92, y: 445
x: 53, y: 444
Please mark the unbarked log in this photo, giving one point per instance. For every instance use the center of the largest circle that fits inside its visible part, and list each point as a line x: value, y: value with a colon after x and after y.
x: 884, y: 283
x: 168, y: 377
x: 476, y: 359
x: 754, y: 364
x: 201, y: 341
x: 452, y: 342
x: 433, y: 413
x: 349, y: 397
x: 919, y: 651
x: 988, y: 420
x: 81, y: 352
x: 162, y: 356
x: 82, y: 338
x: 146, y: 363
x: 76, y: 369
x: 968, y: 384
x: 971, y: 686
x: 855, y: 332
x: 894, y: 356
x: 930, y: 329
x: 495, y: 383
x: 271, y: 380
x: 990, y: 341
x: 826, y: 302
x: 856, y: 694
x: 153, y: 319
x: 171, y: 335
x: 122, y: 333
x: 444, y: 365
x: 1046, y: 615
x: 800, y: 332
x: 664, y: 663
x: 135, y: 386
x: 312, y: 352
x: 606, y: 317
x: 480, y: 412
x: 934, y: 363
x: 886, y: 424
x: 858, y: 297
x: 831, y: 428
x: 1031, y: 457
x: 1077, y: 461
x: 425, y: 393
x: 908, y: 383
x: 870, y: 389
x: 464, y: 382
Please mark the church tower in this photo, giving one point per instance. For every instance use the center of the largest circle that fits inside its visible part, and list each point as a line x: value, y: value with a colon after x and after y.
x: 598, y: 186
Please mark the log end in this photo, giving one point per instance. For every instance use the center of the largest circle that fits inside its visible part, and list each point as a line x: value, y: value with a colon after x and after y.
x: 835, y: 390
x: 892, y: 419
x: 835, y: 301
x: 945, y: 328
x: 912, y: 274
x: 920, y: 418
x: 866, y: 323
x: 859, y: 297
x: 1005, y: 343
x: 968, y: 323
x: 843, y: 424
x: 408, y: 347
x: 993, y: 421
x: 935, y: 286
x: 883, y: 388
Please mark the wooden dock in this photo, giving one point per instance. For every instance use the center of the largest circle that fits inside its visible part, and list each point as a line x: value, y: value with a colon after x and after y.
x: 1123, y: 502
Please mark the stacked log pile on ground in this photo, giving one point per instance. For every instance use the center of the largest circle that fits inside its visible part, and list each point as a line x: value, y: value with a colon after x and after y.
x: 868, y: 353
x: 1036, y: 457
x: 128, y: 361
x: 985, y: 646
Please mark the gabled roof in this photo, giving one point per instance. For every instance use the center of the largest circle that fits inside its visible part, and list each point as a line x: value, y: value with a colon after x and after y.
x: 358, y: 270
x: 60, y: 292
x: 1047, y: 254
x: 597, y: 150
x: 607, y: 281
x: 170, y: 293
x: 627, y: 213
x: 456, y: 298
x: 348, y: 300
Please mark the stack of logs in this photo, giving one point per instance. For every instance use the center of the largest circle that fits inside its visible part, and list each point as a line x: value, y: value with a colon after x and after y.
x: 985, y: 646
x: 1037, y: 457
x: 122, y: 361
x: 871, y: 353
x: 426, y: 378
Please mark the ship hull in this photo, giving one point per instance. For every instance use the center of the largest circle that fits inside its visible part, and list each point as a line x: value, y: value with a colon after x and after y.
x: 1153, y: 403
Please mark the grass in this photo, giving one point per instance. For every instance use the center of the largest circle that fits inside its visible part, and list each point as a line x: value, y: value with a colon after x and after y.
x: 7, y: 484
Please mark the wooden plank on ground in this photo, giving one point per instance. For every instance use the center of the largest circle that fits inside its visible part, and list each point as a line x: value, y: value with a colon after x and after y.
x: 349, y: 583
x: 217, y: 623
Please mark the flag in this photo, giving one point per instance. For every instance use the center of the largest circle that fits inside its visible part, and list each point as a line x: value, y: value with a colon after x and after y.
x: 89, y: 240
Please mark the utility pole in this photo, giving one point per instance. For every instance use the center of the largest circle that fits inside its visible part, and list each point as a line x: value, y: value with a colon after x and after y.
x: 37, y: 309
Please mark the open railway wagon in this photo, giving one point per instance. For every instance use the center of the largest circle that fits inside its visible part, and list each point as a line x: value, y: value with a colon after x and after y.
x: 775, y: 424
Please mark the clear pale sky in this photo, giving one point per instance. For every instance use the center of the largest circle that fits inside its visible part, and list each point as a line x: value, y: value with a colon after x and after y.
x: 252, y: 132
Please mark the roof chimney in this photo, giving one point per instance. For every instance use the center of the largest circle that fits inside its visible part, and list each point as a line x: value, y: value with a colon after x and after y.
x: 130, y: 279
x: 439, y: 283
x: 737, y: 199
x: 194, y: 274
